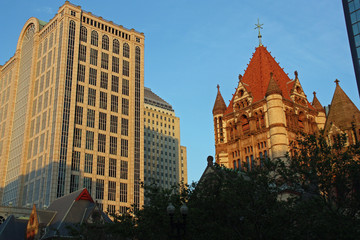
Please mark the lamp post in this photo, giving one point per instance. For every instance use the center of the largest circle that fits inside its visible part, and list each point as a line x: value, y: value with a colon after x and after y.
x: 179, y: 227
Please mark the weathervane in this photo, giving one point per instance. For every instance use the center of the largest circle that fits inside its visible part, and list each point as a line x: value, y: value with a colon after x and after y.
x: 258, y: 26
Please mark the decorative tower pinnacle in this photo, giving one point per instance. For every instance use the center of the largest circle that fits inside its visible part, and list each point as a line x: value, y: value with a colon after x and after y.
x: 258, y: 26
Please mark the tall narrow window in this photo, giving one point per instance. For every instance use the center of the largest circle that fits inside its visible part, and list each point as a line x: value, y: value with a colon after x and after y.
x: 80, y: 93
x: 124, y: 147
x: 92, y: 97
x: 99, y: 189
x: 105, y: 42
x: 113, y: 145
x: 101, y: 142
x: 115, y: 64
x: 100, y: 166
x: 89, y: 140
x: 104, y: 60
x: 125, y: 87
x: 77, y: 137
x: 88, y: 163
x: 112, y: 167
x: 114, y: 103
x: 90, y: 122
x: 82, y: 53
x: 123, y: 192
x: 88, y: 184
x: 81, y: 73
x: 125, y: 106
x: 94, y: 38
x: 93, y: 56
x: 74, y: 183
x: 126, y: 50
x: 115, y: 84
x: 83, y: 34
x: 125, y: 68
x: 103, y: 100
x: 78, y: 115
x: 124, y: 170
x: 113, y: 124
x: 102, y: 121
x: 104, y: 80
x: 112, y: 193
x: 92, y: 76
x: 124, y: 127
x: 75, y: 162
x: 116, y: 46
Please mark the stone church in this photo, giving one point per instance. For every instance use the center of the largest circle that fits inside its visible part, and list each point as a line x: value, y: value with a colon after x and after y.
x: 268, y: 111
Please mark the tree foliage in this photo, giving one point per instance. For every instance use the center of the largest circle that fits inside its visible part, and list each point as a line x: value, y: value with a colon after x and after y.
x: 321, y: 183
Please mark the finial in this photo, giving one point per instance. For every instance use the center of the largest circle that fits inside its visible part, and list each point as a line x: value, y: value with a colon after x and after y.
x: 337, y: 81
x: 240, y: 77
x: 296, y: 74
x: 314, y: 93
x: 210, y: 160
x: 258, y: 26
x: 218, y: 87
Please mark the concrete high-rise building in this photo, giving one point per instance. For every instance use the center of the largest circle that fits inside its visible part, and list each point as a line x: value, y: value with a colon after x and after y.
x: 71, y: 112
x: 352, y: 20
x: 165, y: 160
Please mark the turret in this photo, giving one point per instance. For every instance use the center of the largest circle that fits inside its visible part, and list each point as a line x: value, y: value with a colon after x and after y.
x: 218, y: 113
x: 276, y: 120
x: 321, y: 117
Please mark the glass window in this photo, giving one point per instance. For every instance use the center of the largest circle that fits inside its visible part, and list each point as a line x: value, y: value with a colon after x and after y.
x: 79, y: 93
x: 126, y: 50
x: 88, y: 184
x: 77, y: 137
x: 115, y: 64
x: 74, y: 183
x: 125, y: 68
x: 105, y: 42
x: 104, y: 80
x: 124, y: 126
x: 112, y: 195
x: 124, y: 147
x: 82, y: 53
x: 94, y: 38
x: 89, y: 140
x: 125, y: 106
x: 100, y: 168
x: 125, y: 87
x: 78, y: 115
x: 124, y: 170
x: 81, y: 73
x: 75, y: 161
x: 92, y: 97
x: 112, y: 167
x: 103, y: 100
x: 90, y: 118
x: 116, y: 46
x: 114, y: 103
x: 92, y: 76
x: 88, y: 163
x: 93, y: 56
x: 102, y: 121
x: 113, y: 145
x: 123, y: 192
x: 104, y: 60
x: 113, y: 124
x: 83, y: 34
x: 101, y: 142
x: 115, y: 84
x: 99, y: 189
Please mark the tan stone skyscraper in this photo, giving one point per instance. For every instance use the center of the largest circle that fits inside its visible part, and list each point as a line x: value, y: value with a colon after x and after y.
x: 71, y: 112
x: 165, y: 161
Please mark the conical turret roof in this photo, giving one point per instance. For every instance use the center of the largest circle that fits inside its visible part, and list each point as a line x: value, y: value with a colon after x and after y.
x: 273, y: 87
x: 219, y: 106
x: 316, y: 104
x: 343, y: 111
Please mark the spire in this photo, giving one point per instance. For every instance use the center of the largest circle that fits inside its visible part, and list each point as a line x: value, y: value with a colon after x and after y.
x: 219, y: 106
x: 273, y: 87
x: 316, y: 103
x: 342, y: 110
x: 258, y: 26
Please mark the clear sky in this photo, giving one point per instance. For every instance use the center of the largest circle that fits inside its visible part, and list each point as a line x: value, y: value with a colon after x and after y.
x: 193, y: 45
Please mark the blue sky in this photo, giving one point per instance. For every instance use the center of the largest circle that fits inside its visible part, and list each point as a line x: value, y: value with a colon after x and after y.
x: 191, y: 46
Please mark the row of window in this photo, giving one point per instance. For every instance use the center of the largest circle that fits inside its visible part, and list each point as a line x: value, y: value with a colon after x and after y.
x: 157, y: 123
x: 99, y: 188
x: 249, y: 162
x: 157, y: 116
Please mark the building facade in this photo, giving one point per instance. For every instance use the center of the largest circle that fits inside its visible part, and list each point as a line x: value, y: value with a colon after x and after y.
x: 71, y: 112
x: 165, y: 162
x: 352, y: 20
x: 264, y: 116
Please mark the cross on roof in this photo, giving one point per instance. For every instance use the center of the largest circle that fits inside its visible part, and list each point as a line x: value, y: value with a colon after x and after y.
x: 258, y: 26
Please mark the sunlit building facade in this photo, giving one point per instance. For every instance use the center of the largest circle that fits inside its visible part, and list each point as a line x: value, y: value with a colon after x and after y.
x: 165, y: 162
x: 71, y: 112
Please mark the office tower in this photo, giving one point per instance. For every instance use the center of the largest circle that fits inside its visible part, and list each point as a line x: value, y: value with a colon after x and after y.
x: 164, y: 159
x: 352, y: 20
x: 71, y: 112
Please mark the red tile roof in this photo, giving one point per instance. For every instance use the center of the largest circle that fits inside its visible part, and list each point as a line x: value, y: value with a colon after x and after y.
x: 257, y: 75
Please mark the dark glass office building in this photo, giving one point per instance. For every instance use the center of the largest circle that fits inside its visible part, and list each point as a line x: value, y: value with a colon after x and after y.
x: 352, y: 18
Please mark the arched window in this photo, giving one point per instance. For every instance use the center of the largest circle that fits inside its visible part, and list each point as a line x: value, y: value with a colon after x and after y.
x: 105, y: 42
x: 126, y: 50
x: 116, y: 46
x: 234, y: 162
x: 83, y: 34
x: 94, y: 38
x: 241, y: 93
x: 245, y: 123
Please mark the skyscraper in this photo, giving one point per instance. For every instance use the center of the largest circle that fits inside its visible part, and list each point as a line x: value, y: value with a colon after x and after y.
x: 165, y: 160
x: 71, y: 112
x: 352, y: 19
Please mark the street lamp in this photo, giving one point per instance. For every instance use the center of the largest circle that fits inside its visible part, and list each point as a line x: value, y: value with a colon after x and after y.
x: 179, y: 225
